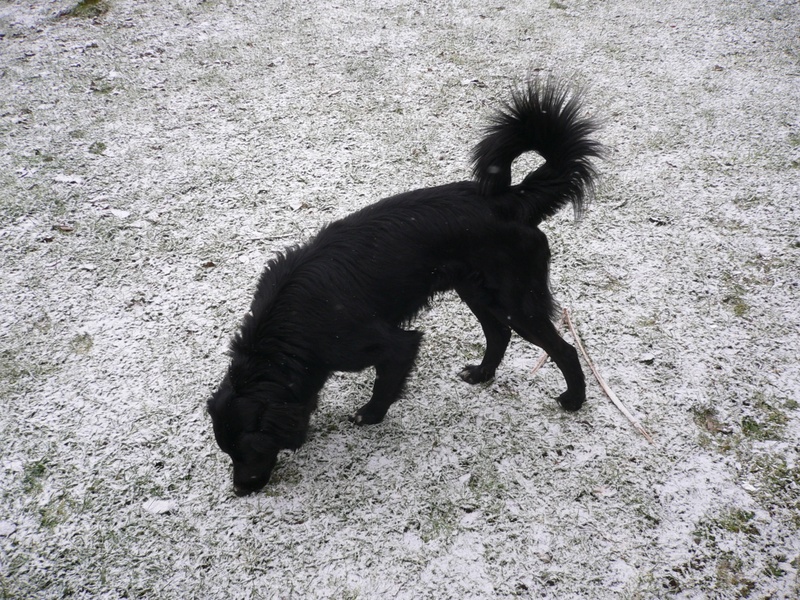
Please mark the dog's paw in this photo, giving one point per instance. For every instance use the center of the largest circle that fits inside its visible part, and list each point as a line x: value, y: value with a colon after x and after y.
x: 473, y: 374
x: 571, y: 401
x: 365, y: 418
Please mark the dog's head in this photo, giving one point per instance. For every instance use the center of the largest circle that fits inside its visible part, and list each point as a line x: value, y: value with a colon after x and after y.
x: 252, y: 426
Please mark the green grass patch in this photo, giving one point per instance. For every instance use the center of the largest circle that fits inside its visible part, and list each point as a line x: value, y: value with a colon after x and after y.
x: 97, y: 148
x: 14, y: 368
x: 767, y: 424
x: 729, y: 576
x: 735, y: 296
x: 87, y: 9
x: 437, y: 520
x: 780, y: 486
x: 738, y: 521
x: 32, y: 476
x: 81, y: 343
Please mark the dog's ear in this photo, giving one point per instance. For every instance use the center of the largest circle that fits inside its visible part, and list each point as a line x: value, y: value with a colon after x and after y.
x: 285, y: 422
x: 220, y: 397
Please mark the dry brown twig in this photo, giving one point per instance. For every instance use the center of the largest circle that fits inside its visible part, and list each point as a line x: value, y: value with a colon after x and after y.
x: 565, y: 318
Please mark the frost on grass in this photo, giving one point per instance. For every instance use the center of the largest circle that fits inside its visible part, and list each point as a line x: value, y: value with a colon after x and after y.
x: 154, y: 156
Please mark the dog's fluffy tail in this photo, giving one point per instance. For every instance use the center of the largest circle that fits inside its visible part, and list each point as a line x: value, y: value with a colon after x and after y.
x: 543, y: 117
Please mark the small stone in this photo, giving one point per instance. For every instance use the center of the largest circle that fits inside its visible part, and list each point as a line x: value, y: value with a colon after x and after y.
x: 159, y: 507
x: 7, y: 528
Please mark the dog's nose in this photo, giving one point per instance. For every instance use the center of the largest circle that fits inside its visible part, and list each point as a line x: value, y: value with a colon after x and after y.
x: 240, y: 491
x: 249, y: 485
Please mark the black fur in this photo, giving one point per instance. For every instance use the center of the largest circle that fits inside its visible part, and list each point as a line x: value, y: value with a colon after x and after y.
x: 339, y: 303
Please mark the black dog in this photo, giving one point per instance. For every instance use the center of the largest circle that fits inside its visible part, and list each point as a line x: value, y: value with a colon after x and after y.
x: 339, y: 302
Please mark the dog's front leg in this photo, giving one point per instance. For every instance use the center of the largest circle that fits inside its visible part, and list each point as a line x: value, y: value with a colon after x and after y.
x: 396, y: 355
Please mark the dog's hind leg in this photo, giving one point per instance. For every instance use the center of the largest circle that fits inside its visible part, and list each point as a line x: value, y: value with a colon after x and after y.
x: 540, y: 331
x: 497, y: 337
x: 395, y: 355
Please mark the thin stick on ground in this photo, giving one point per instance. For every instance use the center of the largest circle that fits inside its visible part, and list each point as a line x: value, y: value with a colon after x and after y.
x: 565, y: 318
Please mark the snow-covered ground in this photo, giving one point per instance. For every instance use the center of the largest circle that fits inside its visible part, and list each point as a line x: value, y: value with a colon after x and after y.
x: 153, y: 156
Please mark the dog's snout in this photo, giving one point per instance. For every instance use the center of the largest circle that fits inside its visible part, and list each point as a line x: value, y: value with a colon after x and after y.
x: 240, y: 491
x: 248, y: 478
